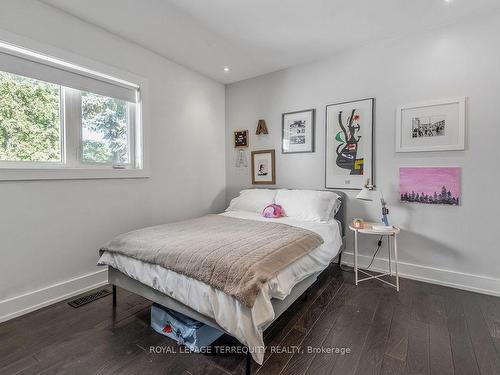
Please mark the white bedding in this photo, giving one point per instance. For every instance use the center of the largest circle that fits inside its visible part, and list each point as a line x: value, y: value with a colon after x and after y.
x: 242, y: 322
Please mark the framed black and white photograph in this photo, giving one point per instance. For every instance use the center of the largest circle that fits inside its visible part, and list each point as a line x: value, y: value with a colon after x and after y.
x: 432, y: 126
x: 263, y: 167
x: 298, y: 131
x: 349, y: 144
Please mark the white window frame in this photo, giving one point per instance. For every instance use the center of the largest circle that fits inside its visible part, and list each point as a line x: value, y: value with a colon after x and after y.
x: 74, y: 142
x: 71, y: 165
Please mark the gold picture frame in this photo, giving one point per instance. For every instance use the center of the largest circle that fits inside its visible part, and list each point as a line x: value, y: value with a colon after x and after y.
x: 263, y: 167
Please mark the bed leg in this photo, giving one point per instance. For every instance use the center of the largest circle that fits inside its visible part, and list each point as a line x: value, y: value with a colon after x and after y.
x: 114, y: 295
x: 339, y: 262
x: 248, y: 366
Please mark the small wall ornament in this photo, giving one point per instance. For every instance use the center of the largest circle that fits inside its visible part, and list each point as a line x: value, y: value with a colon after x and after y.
x: 241, y: 158
x: 261, y: 127
x: 240, y: 138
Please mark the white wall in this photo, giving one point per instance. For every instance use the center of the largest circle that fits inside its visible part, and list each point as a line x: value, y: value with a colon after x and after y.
x: 449, y: 245
x: 50, y: 230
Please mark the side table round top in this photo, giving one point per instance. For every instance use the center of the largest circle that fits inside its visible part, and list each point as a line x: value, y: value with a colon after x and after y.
x: 368, y: 229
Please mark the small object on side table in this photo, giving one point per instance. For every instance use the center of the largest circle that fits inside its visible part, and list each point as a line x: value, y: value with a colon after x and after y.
x: 358, y: 223
x: 392, y: 245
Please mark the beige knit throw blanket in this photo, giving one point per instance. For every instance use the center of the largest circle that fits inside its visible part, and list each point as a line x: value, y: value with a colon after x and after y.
x: 233, y: 255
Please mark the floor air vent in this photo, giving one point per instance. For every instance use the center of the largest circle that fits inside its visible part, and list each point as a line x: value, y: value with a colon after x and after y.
x: 89, y: 298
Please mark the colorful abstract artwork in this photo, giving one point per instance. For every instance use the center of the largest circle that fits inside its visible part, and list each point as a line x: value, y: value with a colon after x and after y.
x: 349, y: 144
x: 431, y: 185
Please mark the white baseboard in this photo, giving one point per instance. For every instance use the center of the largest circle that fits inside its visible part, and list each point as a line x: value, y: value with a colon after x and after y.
x: 459, y: 280
x: 31, y: 301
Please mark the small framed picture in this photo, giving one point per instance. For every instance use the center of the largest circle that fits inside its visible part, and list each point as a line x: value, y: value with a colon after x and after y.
x: 240, y: 138
x: 263, y: 167
x: 433, y: 126
x: 298, y: 131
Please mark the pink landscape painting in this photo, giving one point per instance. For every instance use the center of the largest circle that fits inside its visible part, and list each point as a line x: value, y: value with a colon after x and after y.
x: 432, y: 185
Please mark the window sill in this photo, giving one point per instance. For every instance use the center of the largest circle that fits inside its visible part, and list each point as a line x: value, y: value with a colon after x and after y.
x: 32, y: 174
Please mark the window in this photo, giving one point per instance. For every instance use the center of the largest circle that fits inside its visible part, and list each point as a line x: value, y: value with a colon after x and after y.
x: 54, y: 115
x: 30, y: 121
x: 105, y: 129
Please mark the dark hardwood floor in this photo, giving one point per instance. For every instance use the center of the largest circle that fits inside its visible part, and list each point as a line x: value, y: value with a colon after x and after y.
x: 423, y: 329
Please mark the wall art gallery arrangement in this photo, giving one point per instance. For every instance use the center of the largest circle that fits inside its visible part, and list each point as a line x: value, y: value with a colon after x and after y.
x: 432, y: 126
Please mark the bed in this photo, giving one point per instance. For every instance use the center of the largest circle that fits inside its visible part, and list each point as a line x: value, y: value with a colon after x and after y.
x: 217, y: 308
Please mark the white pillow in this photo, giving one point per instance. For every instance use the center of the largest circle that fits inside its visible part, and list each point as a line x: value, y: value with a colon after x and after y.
x: 252, y: 200
x: 307, y: 205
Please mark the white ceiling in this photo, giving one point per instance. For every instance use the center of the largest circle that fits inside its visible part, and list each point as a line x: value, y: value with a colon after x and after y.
x: 255, y: 37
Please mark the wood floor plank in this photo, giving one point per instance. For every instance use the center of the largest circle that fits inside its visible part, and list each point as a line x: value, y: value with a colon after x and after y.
x: 299, y: 362
x: 306, y: 321
x: 283, y: 352
x: 464, y: 359
x: 351, y: 314
x: 491, y: 312
x: 94, y: 349
x: 392, y: 366
x: 323, y: 362
x: 429, y: 308
x: 302, y: 326
x: 484, y: 347
x: 348, y: 329
x: 397, y: 342
x: 440, y: 357
x: 347, y: 364
x: 200, y: 364
x: 417, y: 361
x: 331, y: 278
x: 21, y: 365
x: 375, y: 345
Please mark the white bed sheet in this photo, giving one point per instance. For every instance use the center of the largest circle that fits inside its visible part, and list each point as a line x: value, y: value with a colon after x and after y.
x: 240, y: 321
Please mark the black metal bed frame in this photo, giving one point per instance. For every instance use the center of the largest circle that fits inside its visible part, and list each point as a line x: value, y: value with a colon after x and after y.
x: 248, y: 355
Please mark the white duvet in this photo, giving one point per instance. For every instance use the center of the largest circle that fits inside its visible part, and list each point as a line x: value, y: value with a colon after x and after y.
x: 242, y: 322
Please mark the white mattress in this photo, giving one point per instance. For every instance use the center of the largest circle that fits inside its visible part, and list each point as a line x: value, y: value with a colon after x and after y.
x: 242, y: 322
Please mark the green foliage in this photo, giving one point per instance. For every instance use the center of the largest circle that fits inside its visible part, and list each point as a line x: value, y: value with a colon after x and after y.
x: 29, y: 119
x: 104, y: 122
x: 95, y: 151
x: 30, y: 123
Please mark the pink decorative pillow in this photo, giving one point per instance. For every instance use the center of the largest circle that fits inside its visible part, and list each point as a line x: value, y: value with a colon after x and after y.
x: 273, y: 211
